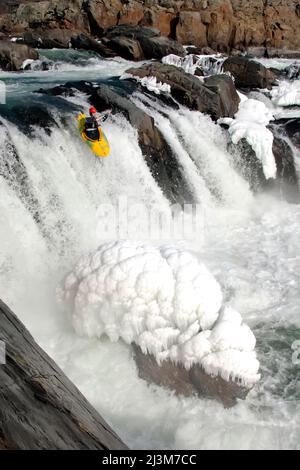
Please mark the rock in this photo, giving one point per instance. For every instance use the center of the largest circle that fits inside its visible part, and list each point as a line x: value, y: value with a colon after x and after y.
x: 158, y: 47
x: 191, y: 92
x: 247, y: 164
x: 292, y: 129
x: 39, y: 407
x: 292, y: 72
x: 256, y: 51
x: 127, y: 48
x: 190, y: 29
x: 288, y: 185
x: 223, y: 87
x: 68, y: 89
x: 85, y: 42
x: 199, y: 72
x: 188, y: 382
x: 102, y: 14
x: 48, y: 38
x: 224, y: 25
x: 249, y: 74
x: 12, y: 56
x: 156, y: 151
x: 132, y: 32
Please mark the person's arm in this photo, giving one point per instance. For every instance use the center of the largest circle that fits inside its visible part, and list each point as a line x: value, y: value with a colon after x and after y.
x: 103, y: 116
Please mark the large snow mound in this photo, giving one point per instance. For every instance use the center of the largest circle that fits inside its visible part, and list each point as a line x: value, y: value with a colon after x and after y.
x: 164, y: 300
x: 286, y: 94
x: 250, y: 123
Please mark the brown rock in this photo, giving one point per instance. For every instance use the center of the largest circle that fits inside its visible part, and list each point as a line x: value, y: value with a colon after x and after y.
x: 127, y: 48
x: 13, y: 55
x: 188, y: 382
x: 190, y: 29
x: 249, y: 74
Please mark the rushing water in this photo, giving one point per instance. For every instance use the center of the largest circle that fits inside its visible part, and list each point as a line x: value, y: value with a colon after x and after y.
x: 49, y: 216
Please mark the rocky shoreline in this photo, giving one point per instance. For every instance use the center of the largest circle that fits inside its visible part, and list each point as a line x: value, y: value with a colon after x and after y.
x: 257, y: 27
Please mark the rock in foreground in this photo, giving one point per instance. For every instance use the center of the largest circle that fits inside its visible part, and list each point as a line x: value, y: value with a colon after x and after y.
x: 40, y: 409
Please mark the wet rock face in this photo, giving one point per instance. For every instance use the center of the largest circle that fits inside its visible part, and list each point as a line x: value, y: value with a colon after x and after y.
x: 249, y: 74
x: 188, y: 382
x: 217, y: 96
x: 13, y: 55
x: 39, y: 407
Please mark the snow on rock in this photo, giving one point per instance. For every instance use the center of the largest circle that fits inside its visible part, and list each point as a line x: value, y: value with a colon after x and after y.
x: 164, y: 300
x: 250, y: 123
x: 286, y: 94
x: 150, y: 83
x: 210, y: 64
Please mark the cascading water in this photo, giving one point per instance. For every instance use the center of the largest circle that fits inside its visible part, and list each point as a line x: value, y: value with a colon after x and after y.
x: 51, y: 189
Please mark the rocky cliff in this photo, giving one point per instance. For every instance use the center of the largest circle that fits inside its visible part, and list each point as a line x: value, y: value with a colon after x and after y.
x: 224, y: 25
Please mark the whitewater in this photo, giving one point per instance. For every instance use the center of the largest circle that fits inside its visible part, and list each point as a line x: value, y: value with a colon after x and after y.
x: 251, y: 245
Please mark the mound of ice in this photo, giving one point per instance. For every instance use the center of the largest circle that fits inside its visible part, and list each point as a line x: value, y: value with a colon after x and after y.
x: 250, y: 123
x: 150, y: 83
x: 165, y: 301
x: 286, y: 94
x: 210, y: 64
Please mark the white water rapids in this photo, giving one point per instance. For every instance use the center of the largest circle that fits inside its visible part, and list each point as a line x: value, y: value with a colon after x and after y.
x: 251, y: 244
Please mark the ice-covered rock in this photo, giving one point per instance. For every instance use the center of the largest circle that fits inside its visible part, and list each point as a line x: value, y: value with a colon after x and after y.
x: 165, y: 301
x: 250, y: 123
x: 286, y: 93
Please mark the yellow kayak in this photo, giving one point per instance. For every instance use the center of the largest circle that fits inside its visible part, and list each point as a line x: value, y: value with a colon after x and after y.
x: 100, y: 146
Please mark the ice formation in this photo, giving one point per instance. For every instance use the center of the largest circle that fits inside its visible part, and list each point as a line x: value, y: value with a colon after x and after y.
x: 150, y: 83
x: 210, y: 64
x: 286, y: 94
x: 164, y: 300
x: 250, y: 123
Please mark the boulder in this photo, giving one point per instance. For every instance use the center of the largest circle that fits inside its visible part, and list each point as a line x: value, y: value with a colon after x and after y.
x: 158, y: 47
x: 12, y: 56
x: 157, y: 153
x: 85, y: 42
x: 265, y: 26
x: 190, y: 29
x: 127, y: 48
x: 287, y: 178
x: 48, y: 38
x: 216, y: 97
x: 40, y: 408
x: 188, y: 382
x: 291, y: 128
x: 249, y: 74
x: 223, y: 86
